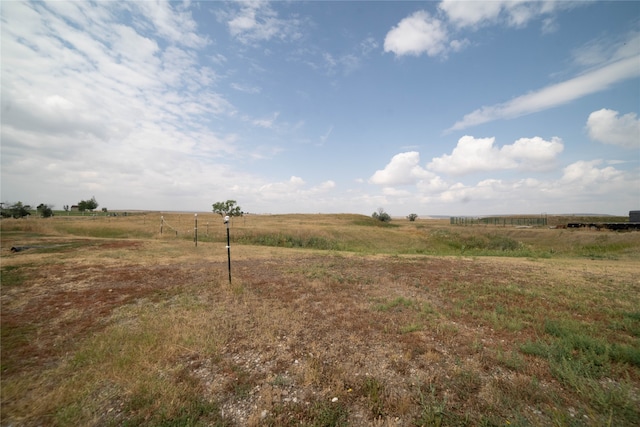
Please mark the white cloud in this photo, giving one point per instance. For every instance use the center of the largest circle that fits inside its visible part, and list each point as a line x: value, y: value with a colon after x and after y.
x: 470, y: 155
x: 533, y: 153
x: 608, y: 127
x: 250, y: 89
x: 611, y: 62
x: 403, y: 169
x: 602, y: 50
x: 480, y: 154
x: 471, y: 13
x: 267, y: 123
x: 171, y: 22
x: 513, y: 13
x: 554, y: 95
x: 256, y: 21
x: 417, y: 34
x: 293, y: 192
x: 422, y: 33
x: 586, y: 179
x: 81, y: 90
x: 572, y: 192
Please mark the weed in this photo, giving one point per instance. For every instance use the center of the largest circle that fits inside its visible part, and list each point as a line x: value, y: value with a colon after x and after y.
x: 325, y: 414
x: 374, y: 391
x: 432, y: 407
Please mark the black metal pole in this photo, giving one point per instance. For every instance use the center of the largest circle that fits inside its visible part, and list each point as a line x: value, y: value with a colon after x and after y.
x: 226, y: 220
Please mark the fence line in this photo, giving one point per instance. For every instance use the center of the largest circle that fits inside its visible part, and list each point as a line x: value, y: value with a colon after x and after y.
x: 496, y: 220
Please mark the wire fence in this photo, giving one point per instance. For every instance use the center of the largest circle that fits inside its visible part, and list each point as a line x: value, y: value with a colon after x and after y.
x: 500, y: 220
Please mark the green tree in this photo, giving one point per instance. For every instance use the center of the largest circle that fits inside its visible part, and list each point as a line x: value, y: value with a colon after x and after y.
x: 412, y: 217
x: 87, y: 205
x: 227, y: 208
x: 381, y: 215
x: 44, y: 210
x: 16, y: 210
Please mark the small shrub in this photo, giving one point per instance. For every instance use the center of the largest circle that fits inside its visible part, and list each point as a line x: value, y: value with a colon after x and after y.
x: 381, y: 215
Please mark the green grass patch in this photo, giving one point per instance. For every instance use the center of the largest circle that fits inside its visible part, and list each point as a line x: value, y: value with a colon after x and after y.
x: 583, y: 361
x: 479, y: 244
x: 372, y: 222
x: 12, y: 275
x: 102, y: 231
x: 284, y: 240
x: 396, y: 304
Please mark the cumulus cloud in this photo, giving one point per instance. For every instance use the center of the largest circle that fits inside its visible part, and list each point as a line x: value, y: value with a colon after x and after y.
x: 608, y: 127
x: 417, y: 34
x: 584, y: 179
x: 421, y: 33
x: 480, y: 154
x: 403, y: 169
x: 570, y: 191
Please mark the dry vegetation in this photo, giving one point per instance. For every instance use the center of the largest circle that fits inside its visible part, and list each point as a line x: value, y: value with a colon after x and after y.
x: 329, y: 320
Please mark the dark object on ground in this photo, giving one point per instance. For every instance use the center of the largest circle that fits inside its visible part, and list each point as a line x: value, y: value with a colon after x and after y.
x: 606, y: 225
x: 22, y: 248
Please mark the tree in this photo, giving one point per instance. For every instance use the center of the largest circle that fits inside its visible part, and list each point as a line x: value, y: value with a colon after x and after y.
x: 87, y: 205
x: 227, y: 208
x: 381, y: 215
x: 16, y: 210
x: 44, y: 210
x: 412, y: 217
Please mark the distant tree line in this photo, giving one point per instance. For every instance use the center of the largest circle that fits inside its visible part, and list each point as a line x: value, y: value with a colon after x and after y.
x: 45, y: 210
x: 15, y: 210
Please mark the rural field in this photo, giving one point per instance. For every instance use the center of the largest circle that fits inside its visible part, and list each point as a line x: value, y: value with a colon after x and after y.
x: 329, y: 320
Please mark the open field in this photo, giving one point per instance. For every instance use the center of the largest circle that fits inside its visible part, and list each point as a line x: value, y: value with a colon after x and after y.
x: 330, y: 320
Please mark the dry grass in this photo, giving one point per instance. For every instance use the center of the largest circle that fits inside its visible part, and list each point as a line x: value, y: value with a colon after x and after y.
x: 143, y: 329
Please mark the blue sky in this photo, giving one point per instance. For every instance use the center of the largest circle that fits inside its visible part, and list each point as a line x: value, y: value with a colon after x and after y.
x: 434, y: 108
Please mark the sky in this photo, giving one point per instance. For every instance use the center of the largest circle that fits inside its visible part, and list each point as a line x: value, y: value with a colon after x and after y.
x: 434, y: 108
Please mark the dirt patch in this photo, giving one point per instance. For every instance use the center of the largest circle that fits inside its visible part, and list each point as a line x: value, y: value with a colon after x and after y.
x: 59, y: 303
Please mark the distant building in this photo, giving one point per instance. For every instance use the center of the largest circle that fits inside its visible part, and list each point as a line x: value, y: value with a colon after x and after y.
x: 634, y: 216
x: 75, y: 208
